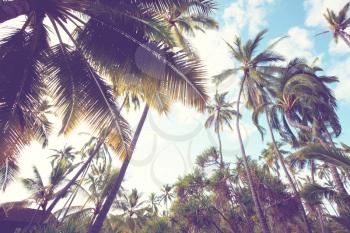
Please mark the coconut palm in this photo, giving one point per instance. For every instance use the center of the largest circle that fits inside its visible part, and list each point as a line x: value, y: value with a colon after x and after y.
x: 167, y: 195
x: 133, y: 209
x: 339, y: 23
x: 220, y: 114
x: 192, y: 68
x: 305, y: 102
x: 42, y: 64
x: 255, y: 70
x: 67, y: 154
x: 43, y: 193
x: 153, y: 201
x: 268, y: 155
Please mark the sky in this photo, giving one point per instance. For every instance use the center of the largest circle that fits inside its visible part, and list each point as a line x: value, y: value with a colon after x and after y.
x: 169, y: 144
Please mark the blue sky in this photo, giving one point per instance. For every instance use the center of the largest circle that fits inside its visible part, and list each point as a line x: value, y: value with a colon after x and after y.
x: 169, y: 144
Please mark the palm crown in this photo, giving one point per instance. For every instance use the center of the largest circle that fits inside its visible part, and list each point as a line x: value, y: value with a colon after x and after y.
x: 110, y: 38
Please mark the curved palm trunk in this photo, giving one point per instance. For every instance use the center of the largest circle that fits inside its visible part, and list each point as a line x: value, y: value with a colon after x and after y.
x: 13, y: 9
x: 97, y: 225
x: 295, y: 191
x: 220, y: 151
x: 258, y: 209
x: 64, y: 190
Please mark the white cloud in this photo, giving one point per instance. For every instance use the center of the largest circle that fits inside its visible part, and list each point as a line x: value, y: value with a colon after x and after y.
x: 316, y: 8
x: 298, y: 44
x: 338, y: 48
x: 342, y: 71
x: 248, y: 13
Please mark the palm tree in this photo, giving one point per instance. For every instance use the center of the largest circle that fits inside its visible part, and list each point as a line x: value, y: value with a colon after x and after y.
x: 220, y: 114
x: 153, y: 201
x: 338, y: 23
x: 255, y: 68
x: 193, y: 69
x: 45, y: 193
x: 167, y: 196
x: 268, y: 155
x: 133, y: 209
x: 87, y: 97
x: 306, y: 102
x: 67, y: 155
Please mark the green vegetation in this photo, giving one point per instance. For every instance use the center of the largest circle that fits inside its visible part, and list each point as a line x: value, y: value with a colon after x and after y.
x: 137, y: 53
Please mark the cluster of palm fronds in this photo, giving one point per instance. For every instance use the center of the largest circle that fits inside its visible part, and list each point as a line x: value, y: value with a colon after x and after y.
x: 82, y: 56
x: 77, y: 58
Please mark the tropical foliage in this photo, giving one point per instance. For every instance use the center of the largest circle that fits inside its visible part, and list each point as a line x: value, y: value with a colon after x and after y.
x: 92, y: 61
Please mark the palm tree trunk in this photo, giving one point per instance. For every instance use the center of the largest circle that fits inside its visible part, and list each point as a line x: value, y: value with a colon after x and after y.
x: 258, y: 209
x: 295, y: 191
x: 97, y: 225
x: 76, y: 176
x: 12, y: 9
x: 220, y: 151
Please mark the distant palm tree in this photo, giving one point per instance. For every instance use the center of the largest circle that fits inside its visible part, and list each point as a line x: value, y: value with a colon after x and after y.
x: 166, y: 196
x: 153, y: 201
x: 338, y: 23
x: 133, y: 209
x: 268, y: 155
x: 255, y: 67
x: 43, y: 193
x: 220, y: 114
x: 67, y: 155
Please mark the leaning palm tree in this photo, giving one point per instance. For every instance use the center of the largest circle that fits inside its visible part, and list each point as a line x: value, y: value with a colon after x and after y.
x: 338, y: 24
x: 92, y: 58
x: 220, y: 114
x: 255, y: 69
x: 306, y: 103
x: 153, y: 94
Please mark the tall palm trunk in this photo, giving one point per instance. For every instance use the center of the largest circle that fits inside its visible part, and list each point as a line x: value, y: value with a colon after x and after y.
x: 258, y: 209
x: 72, y: 181
x: 290, y: 180
x: 97, y: 225
x: 220, y: 151
x: 12, y: 9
